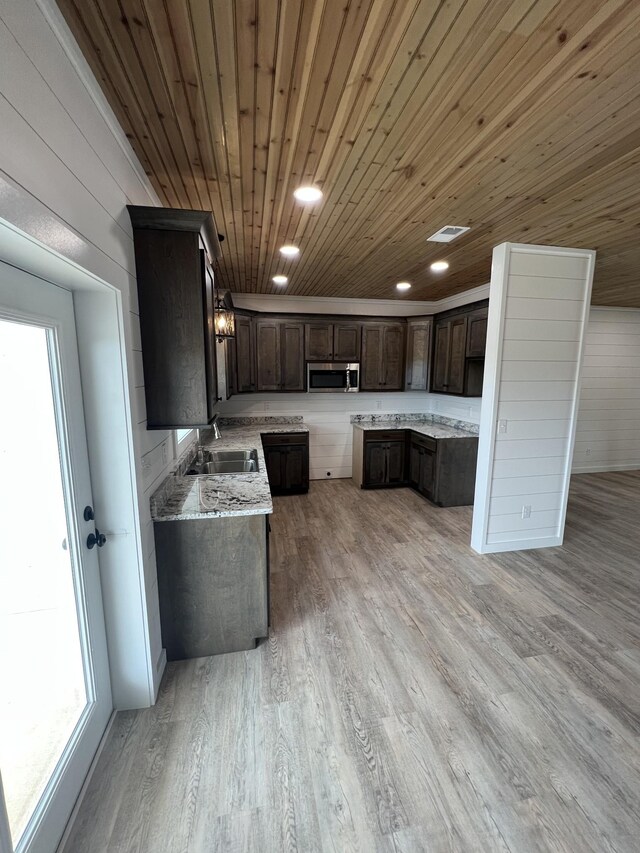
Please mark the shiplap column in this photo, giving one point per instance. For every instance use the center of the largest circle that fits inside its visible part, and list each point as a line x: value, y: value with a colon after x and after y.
x: 538, y: 312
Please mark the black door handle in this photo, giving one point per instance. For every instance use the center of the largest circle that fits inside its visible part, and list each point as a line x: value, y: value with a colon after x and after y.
x: 96, y: 538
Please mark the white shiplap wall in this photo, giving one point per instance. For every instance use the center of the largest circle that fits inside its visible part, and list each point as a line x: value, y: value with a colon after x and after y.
x: 328, y: 418
x: 66, y: 175
x: 537, y: 316
x: 608, y: 430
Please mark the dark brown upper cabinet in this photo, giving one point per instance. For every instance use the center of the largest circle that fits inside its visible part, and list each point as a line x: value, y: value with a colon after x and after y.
x: 458, y: 351
x: 244, y: 347
x: 279, y: 354
x: 382, y: 358
x: 418, y: 353
x: 174, y: 251
x: 332, y: 341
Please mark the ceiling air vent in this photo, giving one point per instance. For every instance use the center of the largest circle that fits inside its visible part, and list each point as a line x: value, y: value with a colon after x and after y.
x: 447, y: 234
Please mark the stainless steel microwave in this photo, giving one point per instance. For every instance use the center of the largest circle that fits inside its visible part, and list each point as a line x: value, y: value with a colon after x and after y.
x: 343, y: 376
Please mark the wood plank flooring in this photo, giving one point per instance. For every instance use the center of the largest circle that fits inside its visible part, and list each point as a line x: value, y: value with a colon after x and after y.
x: 412, y: 696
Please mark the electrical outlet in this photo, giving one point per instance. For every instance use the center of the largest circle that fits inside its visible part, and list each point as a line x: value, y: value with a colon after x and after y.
x: 588, y: 451
x: 267, y: 407
x: 502, y: 426
x: 526, y: 511
x: 165, y: 453
x: 378, y: 404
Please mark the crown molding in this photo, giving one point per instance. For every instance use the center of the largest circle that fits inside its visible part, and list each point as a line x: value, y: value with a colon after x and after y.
x: 71, y: 49
x: 370, y: 307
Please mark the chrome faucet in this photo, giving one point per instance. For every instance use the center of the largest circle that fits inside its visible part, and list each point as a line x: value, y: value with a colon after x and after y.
x: 215, y: 428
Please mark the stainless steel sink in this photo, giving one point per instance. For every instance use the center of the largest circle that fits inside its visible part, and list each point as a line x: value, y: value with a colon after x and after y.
x: 226, y: 462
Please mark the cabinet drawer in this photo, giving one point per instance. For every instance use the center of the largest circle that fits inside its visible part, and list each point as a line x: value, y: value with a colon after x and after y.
x: 384, y: 435
x: 285, y: 438
x: 424, y: 441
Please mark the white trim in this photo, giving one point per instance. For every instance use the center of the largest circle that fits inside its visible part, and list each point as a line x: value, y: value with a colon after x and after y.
x: 69, y: 45
x: 603, y: 468
x: 522, y: 545
x: 85, y: 784
x: 341, y: 305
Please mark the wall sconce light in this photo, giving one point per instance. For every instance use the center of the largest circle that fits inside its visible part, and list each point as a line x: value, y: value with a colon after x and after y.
x: 224, y: 320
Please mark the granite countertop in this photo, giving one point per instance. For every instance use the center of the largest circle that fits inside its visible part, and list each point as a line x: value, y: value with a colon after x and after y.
x: 433, y: 426
x: 181, y: 498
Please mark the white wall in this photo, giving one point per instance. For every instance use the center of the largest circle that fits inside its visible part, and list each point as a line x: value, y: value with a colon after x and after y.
x: 328, y: 418
x: 66, y: 175
x: 537, y: 317
x: 608, y: 430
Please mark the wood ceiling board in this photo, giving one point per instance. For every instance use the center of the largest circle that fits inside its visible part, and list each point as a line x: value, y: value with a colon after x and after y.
x: 519, y: 119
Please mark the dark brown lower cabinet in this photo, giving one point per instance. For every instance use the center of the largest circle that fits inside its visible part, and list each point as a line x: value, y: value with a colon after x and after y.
x: 287, y: 459
x: 212, y: 584
x: 384, y: 460
x: 443, y: 470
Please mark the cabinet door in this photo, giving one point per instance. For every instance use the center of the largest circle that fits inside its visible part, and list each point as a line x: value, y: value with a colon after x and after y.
x: 457, y: 355
x: 477, y: 334
x: 414, y: 465
x: 318, y: 341
x: 230, y: 365
x: 427, y: 473
x: 274, y: 459
x: 268, y: 354
x: 370, y: 379
x: 395, y: 462
x: 292, y: 355
x: 442, y: 334
x: 346, y: 342
x: 295, y: 468
x: 245, y: 354
x: 211, y: 366
x: 374, y: 463
x: 392, y: 362
x: 418, y: 347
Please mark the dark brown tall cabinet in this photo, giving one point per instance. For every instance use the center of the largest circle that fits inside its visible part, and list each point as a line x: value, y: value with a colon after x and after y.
x: 418, y: 354
x: 245, y: 353
x: 458, y: 351
x: 382, y: 358
x: 279, y: 354
x: 174, y: 251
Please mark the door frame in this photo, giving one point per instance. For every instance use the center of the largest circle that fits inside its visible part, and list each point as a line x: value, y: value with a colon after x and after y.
x: 104, y: 339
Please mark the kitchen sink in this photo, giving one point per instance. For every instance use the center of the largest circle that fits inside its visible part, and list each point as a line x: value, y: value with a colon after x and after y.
x: 225, y: 462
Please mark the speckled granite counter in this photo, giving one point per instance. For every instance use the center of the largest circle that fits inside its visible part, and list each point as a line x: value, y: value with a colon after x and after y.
x: 434, y: 426
x: 181, y: 498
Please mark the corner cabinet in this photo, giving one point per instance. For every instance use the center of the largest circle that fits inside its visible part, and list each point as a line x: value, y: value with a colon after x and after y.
x: 459, y: 340
x: 174, y: 250
x: 287, y: 459
x: 382, y: 357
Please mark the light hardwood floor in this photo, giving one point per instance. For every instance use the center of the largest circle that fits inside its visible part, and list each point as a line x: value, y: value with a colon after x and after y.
x: 412, y: 696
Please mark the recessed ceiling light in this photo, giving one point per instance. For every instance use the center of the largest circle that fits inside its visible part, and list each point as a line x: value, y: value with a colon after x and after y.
x: 280, y: 279
x: 403, y: 285
x: 439, y: 266
x: 308, y: 194
x: 289, y: 251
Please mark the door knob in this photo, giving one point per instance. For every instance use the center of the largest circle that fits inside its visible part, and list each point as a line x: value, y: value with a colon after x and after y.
x: 96, y: 538
x: 88, y: 513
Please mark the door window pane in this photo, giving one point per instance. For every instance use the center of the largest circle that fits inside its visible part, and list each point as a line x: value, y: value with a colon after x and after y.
x: 42, y: 683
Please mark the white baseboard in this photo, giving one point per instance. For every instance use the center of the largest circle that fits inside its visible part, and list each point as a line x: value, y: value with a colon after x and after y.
x: 85, y: 785
x: 519, y: 545
x: 604, y: 467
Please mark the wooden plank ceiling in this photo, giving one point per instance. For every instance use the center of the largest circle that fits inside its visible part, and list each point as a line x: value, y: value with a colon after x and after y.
x: 520, y: 119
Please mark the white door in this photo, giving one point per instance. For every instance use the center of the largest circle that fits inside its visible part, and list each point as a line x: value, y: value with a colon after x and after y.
x: 55, y: 697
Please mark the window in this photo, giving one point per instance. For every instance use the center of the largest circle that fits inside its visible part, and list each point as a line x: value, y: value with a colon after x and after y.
x: 182, y: 438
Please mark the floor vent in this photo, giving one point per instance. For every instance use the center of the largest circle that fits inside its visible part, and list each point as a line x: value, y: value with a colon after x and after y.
x: 447, y: 234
